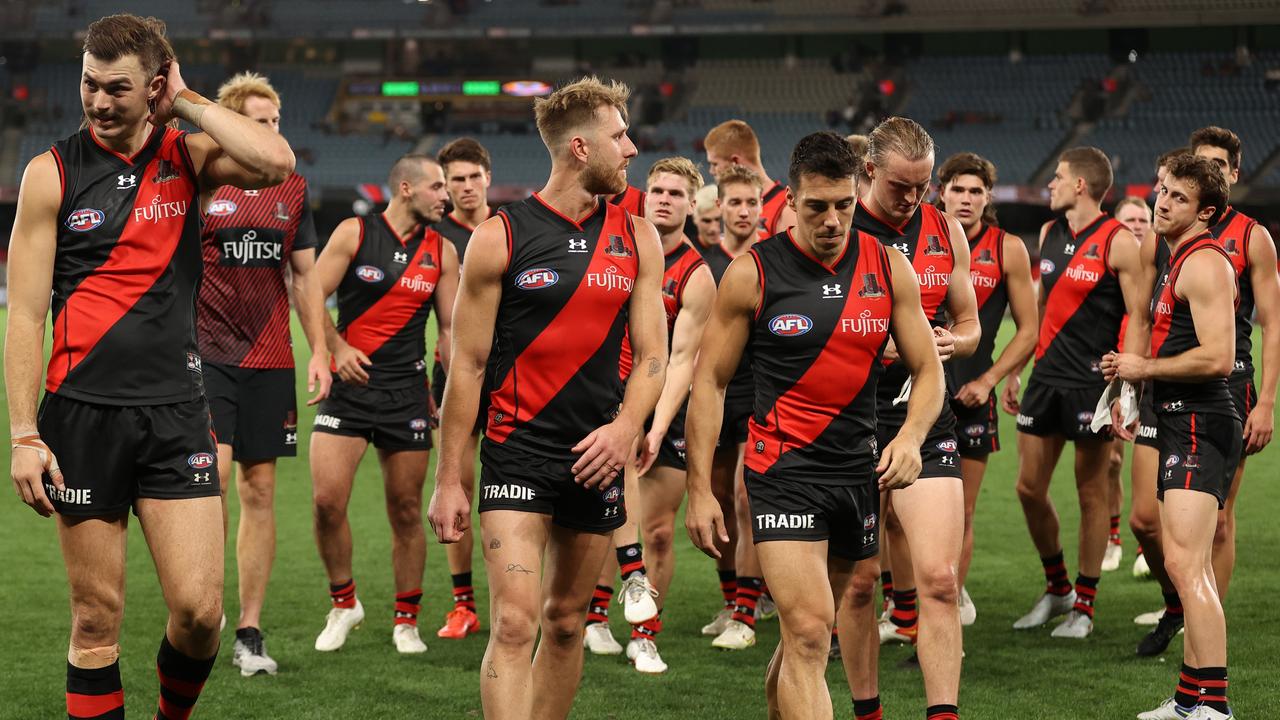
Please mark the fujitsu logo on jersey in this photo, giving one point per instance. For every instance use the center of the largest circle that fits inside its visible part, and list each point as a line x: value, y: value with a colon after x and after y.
x: 610, y: 280
x: 790, y: 325
x: 931, y: 278
x: 248, y: 248
x: 864, y: 324
x: 1162, y: 308
x: 417, y: 284
x: 159, y: 210
x: 984, y: 281
x: 1080, y: 274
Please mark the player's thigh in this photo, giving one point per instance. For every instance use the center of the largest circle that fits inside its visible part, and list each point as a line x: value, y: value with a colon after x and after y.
x: 93, y: 550
x: 334, y: 460
x: 573, y: 562
x: 1144, y: 509
x: 513, y: 545
x: 1092, y: 465
x: 797, y: 574
x: 1037, y: 457
x: 661, y: 491
x: 185, y: 538
x: 931, y: 511
x: 404, y: 473
x: 1188, y: 519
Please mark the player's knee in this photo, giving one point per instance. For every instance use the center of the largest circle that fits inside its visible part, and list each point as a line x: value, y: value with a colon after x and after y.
x: 659, y: 538
x: 1029, y: 491
x: 405, y: 514
x: 329, y: 510
x: 938, y: 583
x: 862, y: 589
x: 95, y: 622
x: 1181, y: 567
x: 807, y: 636
x: 199, y: 616
x: 1145, y: 526
x: 1225, y: 530
x: 514, y: 626
x: 256, y: 493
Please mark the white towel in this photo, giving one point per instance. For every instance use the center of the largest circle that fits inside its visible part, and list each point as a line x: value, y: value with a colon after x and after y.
x: 1122, y: 390
x: 904, y: 394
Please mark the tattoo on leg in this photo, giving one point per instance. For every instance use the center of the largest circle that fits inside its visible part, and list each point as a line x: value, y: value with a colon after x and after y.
x: 494, y: 544
x: 515, y: 567
x: 655, y: 367
x: 490, y: 671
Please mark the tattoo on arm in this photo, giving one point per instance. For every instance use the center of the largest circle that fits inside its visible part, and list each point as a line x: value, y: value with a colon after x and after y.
x: 516, y: 567
x: 655, y: 367
x: 494, y: 544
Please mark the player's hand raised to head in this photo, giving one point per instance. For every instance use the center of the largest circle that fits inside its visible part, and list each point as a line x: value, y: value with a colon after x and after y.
x: 449, y: 512
x: 162, y: 106
x: 351, y: 364
x: 705, y: 523
x: 31, y: 459
x: 899, y: 464
x: 604, y: 455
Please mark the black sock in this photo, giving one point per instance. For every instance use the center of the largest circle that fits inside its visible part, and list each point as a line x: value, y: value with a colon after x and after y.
x: 728, y: 586
x: 181, y: 680
x: 1086, y: 593
x: 868, y: 709
x: 95, y: 693
x: 1188, y: 693
x: 1055, y: 574
x: 598, y: 611
x: 1213, y: 688
x: 464, y: 595
x: 1172, y: 605
x: 744, y: 610
x: 630, y: 560
x: 942, y: 712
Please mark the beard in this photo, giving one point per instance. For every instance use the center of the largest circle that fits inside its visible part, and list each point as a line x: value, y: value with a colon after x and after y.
x: 602, y: 180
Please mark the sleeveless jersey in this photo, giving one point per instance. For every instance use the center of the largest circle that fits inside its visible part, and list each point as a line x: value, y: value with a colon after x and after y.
x: 125, y: 273
x: 816, y: 345
x: 739, y: 391
x: 986, y: 272
x: 925, y: 239
x: 631, y: 200
x: 716, y: 257
x: 679, y: 265
x: 772, y: 203
x: 1173, y: 332
x: 559, y: 328
x: 384, y: 300
x: 1083, y: 304
x: 248, y: 238
x: 1232, y: 233
x: 456, y: 232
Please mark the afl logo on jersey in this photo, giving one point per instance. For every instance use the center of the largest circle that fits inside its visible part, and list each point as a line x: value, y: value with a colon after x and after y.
x: 369, y: 273
x: 418, y: 424
x: 790, y: 325
x: 1046, y: 266
x: 221, y: 208
x: 947, y: 446
x: 85, y: 219
x: 537, y: 279
x: 612, y: 494
x: 200, y: 461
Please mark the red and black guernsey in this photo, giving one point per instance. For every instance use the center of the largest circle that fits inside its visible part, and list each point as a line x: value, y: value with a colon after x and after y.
x: 925, y: 239
x: 1083, y: 303
x: 248, y: 239
x: 816, y: 345
x: 679, y: 266
x: 126, y: 273
x: 631, y: 200
x: 456, y: 232
x: 560, y: 323
x: 385, y: 297
x: 986, y: 272
x: 1173, y: 332
x: 772, y: 203
x: 1232, y: 233
x: 739, y: 391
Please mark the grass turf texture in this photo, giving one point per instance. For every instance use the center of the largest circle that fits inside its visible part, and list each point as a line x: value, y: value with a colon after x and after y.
x: 1007, y: 674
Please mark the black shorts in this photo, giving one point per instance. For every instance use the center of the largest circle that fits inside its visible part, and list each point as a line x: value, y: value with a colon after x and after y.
x: 1049, y: 410
x: 398, y: 419
x: 112, y: 455
x: 1243, y: 394
x: 846, y: 516
x: 672, y: 450
x: 977, y: 428
x: 939, y: 455
x: 512, y: 479
x: 733, y: 428
x: 1148, y: 433
x: 255, y: 410
x: 438, y: 379
x: 1199, y: 451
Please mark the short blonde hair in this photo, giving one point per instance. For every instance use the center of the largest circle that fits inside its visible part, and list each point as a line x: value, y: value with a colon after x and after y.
x: 858, y: 143
x: 574, y: 105
x: 740, y: 175
x: 234, y: 92
x: 681, y: 166
x: 734, y: 137
x: 1132, y: 200
x: 899, y: 135
x: 706, y: 197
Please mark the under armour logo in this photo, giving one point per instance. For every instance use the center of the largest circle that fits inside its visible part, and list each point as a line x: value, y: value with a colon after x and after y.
x: 901, y: 247
x: 419, y: 436
x: 577, y: 245
x: 832, y: 291
x: 1071, y: 249
x: 400, y: 257
x: 251, y: 193
x: 124, y: 182
x: 201, y: 478
x: 291, y: 438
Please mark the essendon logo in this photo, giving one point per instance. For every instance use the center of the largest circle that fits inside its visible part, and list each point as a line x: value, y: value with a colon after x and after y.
x: 537, y: 279
x: 427, y: 261
x: 1091, y: 252
x: 616, y: 247
x: 669, y: 288
x: 165, y: 172
x: 870, y: 286
x: 1229, y: 245
x: 933, y: 245
x: 369, y: 273
x: 790, y: 325
x: 985, y: 257
x: 85, y: 219
x: 221, y: 208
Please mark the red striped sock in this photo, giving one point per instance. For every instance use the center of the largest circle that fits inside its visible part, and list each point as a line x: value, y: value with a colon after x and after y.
x: 181, y: 680
x: 942, y: 712
x: 95, y: 693
x: 343, y: 594
x: 1055, y: 574
x: 886, y: 586
x: 1115, y: 530
x: 630, y: 560
x: 1086, y: 593
x: 598, y: 612
x: 868, y: 709
x: 904, y: 613
x: 1188, y: 693
x: 464, y: 595
x: 728, y: 586
x: 744, y: 609
x: 408, y: 604
x: 647, y: 629
x: 1213, y: 688
x: 1172, y: 605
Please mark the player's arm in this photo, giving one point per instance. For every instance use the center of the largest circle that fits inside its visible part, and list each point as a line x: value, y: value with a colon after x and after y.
x: 474, y: 314
x: 962, y: 304
x: 234, y: 149
x: 445, y: 295
x: 308, y: 302
x: 1202, y: 279
x: 719, y: 353
x: 695, y: 307
x: 1125, y: 260
x: 900, y: 459
x: 1009, y: 401
x: 330, y: 267
x: 1259, y: 425
x: 32, y: 248
x: 606, y: 450
x: 1022, y: 305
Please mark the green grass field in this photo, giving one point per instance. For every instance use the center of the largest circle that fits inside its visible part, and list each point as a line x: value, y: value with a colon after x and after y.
x: 1007, y: 674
